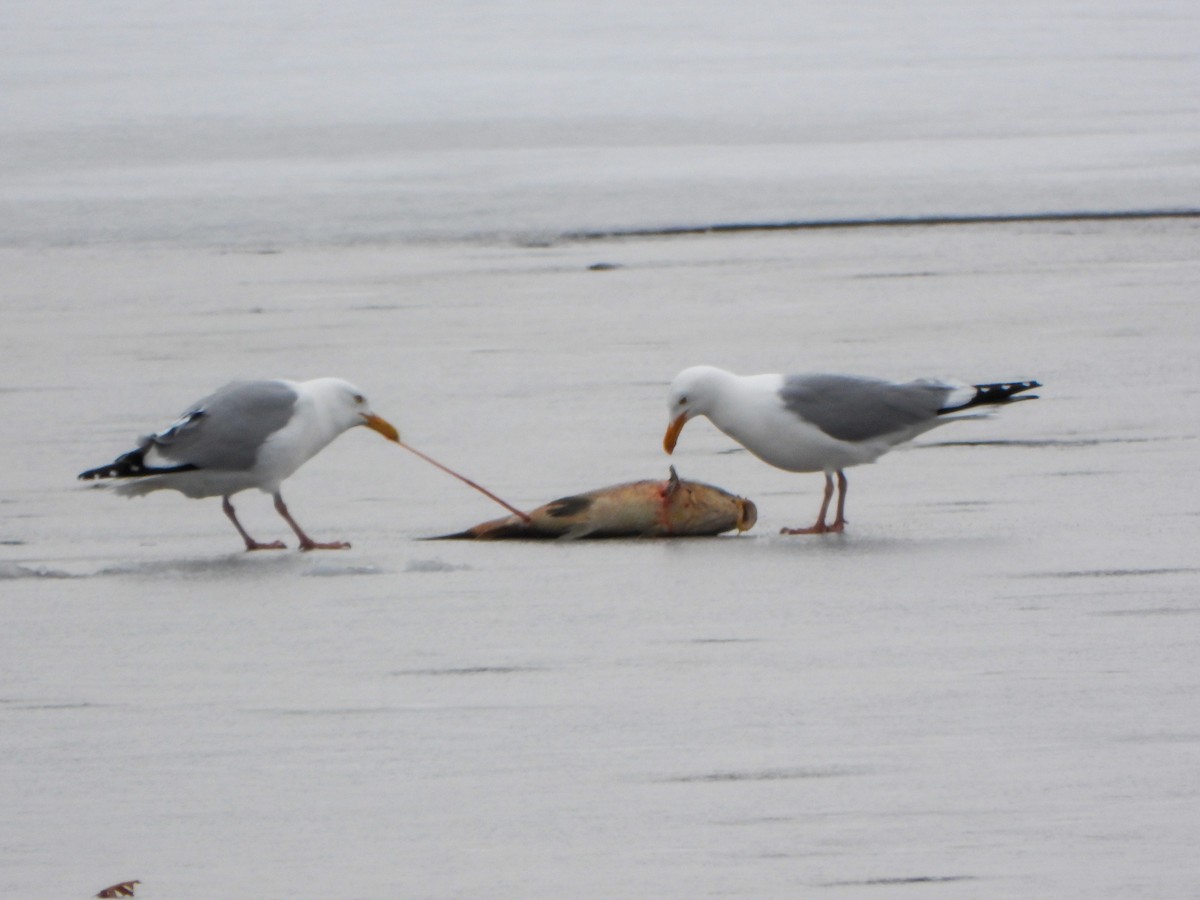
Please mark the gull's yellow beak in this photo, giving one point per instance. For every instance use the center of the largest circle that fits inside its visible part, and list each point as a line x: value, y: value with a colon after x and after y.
x: 387, y: 429
x: 673, y: 430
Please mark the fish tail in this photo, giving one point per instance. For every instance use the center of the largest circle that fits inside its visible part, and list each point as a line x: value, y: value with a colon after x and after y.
x: 457, y: 536
x: 501, y: 529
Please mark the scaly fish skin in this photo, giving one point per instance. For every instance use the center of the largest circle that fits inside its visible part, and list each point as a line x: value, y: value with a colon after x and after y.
x: 671, y: 508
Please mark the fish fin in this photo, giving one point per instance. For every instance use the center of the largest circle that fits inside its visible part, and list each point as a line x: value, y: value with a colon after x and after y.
x: 577, y: 531
x: 672, y: 483
x: 565, y: 507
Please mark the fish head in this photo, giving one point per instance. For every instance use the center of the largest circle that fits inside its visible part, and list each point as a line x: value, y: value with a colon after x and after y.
x: 693, y: 508
x: 747, y: 514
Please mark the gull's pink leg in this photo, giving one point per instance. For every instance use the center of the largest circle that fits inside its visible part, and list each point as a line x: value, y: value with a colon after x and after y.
x: 306, y: 543
x: 820, y: 527
x: 839, y: 524
x: 251, y: 543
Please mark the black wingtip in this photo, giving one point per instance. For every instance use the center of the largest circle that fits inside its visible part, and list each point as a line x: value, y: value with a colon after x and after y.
x: 128, y: 465
x: 131, y: 465
x: 995, y: 394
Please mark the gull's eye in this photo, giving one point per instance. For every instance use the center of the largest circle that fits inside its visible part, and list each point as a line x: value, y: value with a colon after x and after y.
x: 359, y: 399
x: 682, y: 401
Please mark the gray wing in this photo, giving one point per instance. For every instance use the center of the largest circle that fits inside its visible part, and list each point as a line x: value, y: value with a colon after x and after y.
x: 226, y: 429
x: 851, y: 408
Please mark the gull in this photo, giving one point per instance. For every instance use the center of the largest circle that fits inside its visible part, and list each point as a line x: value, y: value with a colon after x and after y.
x: 823, y: 423
x: 247, y: 434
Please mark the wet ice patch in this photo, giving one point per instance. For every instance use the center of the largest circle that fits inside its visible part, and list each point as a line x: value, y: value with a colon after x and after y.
x: 207, y: 567
x: 333, y: 570
x: 435, y: 565
x: 238, y: 565
x: 15, y: 571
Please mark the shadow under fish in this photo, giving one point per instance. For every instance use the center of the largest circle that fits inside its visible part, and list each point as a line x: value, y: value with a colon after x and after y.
x: 671, y: 508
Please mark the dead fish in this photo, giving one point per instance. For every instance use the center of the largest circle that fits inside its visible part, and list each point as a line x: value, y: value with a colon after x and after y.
x: 671, y: 508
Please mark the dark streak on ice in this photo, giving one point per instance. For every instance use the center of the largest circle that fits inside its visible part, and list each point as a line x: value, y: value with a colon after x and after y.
x: 762, y: 775
x: 1113, y: 573
x: 888, y: 222
x: 1059, y: 442
x: 919, y: 879
x: 471, y: 670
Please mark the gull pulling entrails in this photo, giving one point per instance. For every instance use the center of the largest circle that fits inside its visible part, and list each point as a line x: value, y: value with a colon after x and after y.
x: 248, y: 434
x: 823, y: 423
x: 254, y: 434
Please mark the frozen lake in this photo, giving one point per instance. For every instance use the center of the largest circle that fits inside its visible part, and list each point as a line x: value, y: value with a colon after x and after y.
x: 986, y: 688
x: 990, y: 678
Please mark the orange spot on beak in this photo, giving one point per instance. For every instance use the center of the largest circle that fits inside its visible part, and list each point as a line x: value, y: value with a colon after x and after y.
x: 387, y: 429
x: 672, y: 435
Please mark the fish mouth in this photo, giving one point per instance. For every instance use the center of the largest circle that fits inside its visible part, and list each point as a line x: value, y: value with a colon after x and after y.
x: 672, y: 435
x: 747, y: 514
x: 384, y: 427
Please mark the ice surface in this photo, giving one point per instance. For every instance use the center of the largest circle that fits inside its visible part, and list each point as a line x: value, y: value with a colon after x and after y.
x: 986, y: 688
x: 987, y: 685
